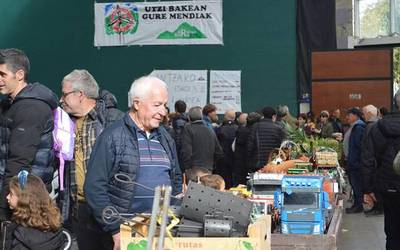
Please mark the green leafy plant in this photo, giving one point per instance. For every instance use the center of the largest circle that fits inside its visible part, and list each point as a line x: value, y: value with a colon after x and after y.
x: 309, y: 143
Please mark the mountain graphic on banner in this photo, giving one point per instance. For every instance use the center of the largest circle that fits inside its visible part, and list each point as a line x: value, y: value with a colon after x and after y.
x: 142, y: 245
x: 184, y: 31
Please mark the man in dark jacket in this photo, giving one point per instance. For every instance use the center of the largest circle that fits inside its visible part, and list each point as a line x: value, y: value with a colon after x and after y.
x: 370, y: 115
x: 27, y: 124
x: 335, y: 120
x: 226, y: 134
x: 138, y: 149
x: 352, y: 151
x: 264, y: 137
x: 178, y: 122
x: 383, y: 143
x: 93, y: 111
x: 210, y: 115
x: 200, y: 146
x: 240, y: 155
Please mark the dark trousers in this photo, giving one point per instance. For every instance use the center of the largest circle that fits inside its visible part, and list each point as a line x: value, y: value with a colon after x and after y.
x: 223, y: 169
x: 391, y: 206
x: 378, y: 195
x: 355, y: 179
x: 89, y: 233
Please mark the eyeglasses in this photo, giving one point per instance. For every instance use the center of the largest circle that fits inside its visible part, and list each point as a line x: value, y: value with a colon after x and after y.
x: 64, y: 95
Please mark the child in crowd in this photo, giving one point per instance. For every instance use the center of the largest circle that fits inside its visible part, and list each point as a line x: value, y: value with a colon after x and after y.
x: 194, y: 174
x: 213, y: 181
x: 36, y: 220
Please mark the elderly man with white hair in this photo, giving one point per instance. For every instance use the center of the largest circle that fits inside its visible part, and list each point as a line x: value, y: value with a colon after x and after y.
x: 370, y: 114
x: 138, y: 148
x: 378, y: 162
x: 226, y: 134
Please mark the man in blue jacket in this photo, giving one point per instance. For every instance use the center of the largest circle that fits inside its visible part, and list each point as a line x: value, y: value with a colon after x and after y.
x: 137, y: 147
x: 352, y: 151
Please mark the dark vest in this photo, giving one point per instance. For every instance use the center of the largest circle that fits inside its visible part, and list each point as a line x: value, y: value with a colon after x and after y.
x: 127, y: 162
x: 42, y: 165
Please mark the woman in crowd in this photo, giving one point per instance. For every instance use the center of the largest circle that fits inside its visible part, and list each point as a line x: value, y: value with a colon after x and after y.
x: 324, y: 128
x: 301, y: 121
x: 309, y: 126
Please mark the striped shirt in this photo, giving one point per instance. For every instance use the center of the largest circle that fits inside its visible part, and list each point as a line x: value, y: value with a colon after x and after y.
x: 153, y: 171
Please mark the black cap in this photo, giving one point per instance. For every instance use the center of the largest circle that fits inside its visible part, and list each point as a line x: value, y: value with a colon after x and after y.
x: 354, y: 111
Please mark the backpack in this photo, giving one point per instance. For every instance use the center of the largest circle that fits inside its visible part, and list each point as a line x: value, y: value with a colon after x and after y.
x: 396, y: 163
x: 63, y: 136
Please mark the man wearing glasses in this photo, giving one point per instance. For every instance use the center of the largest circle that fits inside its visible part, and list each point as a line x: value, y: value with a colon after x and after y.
x: 26, y: 124
x: 93, y: 111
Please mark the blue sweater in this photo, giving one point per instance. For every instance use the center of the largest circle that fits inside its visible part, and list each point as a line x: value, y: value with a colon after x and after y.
x: 117, y: 152
x: 154, y: 171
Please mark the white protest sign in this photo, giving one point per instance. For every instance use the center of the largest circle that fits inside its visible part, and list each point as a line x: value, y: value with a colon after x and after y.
x: 225, y: 90
x: 189, y: 86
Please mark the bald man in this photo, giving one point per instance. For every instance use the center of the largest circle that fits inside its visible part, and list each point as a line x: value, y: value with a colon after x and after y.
x: 226, y: 135
x: 242, y: 119
x: 370, y: 115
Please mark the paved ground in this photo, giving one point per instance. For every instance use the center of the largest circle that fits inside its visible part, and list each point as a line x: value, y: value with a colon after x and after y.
x: 361, y: 233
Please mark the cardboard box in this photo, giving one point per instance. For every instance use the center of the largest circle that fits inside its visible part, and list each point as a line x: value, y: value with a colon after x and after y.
x: 259, y: 239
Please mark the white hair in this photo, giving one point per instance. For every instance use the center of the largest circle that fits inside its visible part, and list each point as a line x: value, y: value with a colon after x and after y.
x: 282, y: 110
x: 82, y: 80
x: 371, y: 109
x: 230, y: 115
x: 140, y: 88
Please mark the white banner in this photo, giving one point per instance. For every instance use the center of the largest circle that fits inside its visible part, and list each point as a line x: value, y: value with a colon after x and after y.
x: 189, y: 86
x: 225, y: 90
x: 158, y: 23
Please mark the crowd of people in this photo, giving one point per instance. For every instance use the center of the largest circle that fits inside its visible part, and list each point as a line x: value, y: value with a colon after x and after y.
x: 148, y: 146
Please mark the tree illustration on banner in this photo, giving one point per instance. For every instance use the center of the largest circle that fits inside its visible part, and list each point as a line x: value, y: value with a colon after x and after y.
x: 121, y: 18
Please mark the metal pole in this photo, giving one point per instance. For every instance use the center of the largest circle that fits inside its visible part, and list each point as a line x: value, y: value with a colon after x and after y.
x: 356, y: 22
x: 153, y: 220
x: 164, y: 216
x: 392, y: 10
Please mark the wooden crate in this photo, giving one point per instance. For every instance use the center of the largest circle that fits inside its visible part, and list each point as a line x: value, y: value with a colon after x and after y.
x: 259, y: 238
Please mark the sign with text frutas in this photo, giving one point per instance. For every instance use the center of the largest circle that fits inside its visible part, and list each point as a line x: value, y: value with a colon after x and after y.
x: 189, y: 86
x: 158, y: 23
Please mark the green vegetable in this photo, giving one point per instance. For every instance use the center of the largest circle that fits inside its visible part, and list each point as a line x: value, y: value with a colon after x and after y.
x: 308, y: 143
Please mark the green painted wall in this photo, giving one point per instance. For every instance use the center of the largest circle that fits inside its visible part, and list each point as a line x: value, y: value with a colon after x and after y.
x: 259, y: 39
